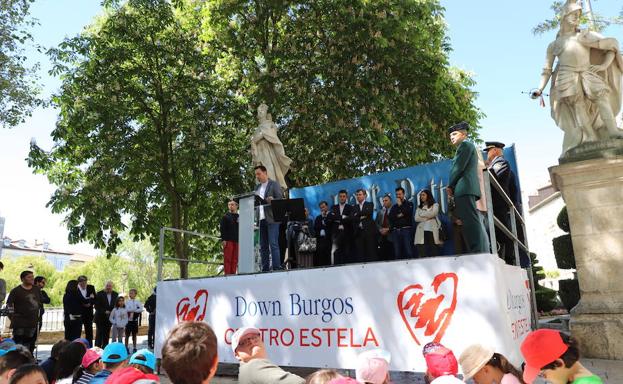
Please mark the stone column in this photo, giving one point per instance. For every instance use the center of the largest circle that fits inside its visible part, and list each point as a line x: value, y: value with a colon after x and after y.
x: 590, y: 178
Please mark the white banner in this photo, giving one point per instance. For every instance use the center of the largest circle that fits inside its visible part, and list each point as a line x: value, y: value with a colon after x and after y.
x: 326, y: 317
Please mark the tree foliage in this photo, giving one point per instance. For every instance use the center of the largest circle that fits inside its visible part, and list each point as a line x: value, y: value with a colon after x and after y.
x: 145, y: 129
x: 356, y: 86
x: 18, y: 88
x: 158, y: 98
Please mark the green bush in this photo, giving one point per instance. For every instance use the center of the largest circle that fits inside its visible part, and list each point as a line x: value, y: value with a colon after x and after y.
x: 563, y: 250
x: 569, y: 292
x: 545, y: 299
x: 563, y: 220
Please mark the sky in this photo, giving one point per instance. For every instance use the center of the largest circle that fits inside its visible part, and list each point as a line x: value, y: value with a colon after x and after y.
x: 492, y: 39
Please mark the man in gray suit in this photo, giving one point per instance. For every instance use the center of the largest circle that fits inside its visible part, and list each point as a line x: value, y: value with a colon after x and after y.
x: 269, y: 229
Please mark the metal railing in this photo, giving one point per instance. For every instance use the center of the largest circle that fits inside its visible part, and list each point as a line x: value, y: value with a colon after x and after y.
x: 515, y: 217
x: 162, y: 258
x: 53, y: 320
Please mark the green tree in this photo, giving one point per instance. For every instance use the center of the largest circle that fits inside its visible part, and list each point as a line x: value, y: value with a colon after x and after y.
x: 146, y: 130
x: 18, y: 88
x: 356, y: 86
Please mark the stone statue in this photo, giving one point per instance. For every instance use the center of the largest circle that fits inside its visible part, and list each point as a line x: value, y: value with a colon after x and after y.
x: 267, y: 149
x: 585, y: 93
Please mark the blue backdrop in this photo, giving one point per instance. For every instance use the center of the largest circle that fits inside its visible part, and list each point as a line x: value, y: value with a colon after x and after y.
x: 433, y: 176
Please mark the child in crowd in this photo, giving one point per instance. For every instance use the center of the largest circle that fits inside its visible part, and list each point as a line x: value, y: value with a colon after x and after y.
x: 90, y: 366
x: 134, y: 308
x: 485, y: 366
x: 143, y: 360
x: 322, y: 376
x: 119, y: 320
x: 12, y: 358
x: 115, y: 357
x: 69, y: 359
x: 554, y: 356
x: 49, y: 365
x: 29, y: 374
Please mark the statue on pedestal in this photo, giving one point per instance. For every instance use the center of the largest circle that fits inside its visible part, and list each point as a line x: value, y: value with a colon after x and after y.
x: 267, y: 149
x: 585, y: 94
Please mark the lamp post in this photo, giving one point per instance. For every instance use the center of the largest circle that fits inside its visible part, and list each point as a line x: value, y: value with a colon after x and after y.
x: 124, y: 276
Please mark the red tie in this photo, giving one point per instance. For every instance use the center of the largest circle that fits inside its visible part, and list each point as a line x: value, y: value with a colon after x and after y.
x: 385, y: 221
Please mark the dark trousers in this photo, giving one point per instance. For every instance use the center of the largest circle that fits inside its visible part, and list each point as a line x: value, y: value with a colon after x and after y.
x: 429, y: 248
x: 151, y: 331
x: 403, y: 243
x: 269, y: 245
x: 339, y: 247
x: 473, y: 232
x: 26, y: 337
x: 366, y: 245
x: 102, y: 333
x: 73, y: 328
x: 386, y: 248
x: 322, y: 257
x: 87, y: 324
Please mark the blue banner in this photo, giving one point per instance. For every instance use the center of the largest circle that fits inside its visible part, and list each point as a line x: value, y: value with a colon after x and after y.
x: 433, y: 176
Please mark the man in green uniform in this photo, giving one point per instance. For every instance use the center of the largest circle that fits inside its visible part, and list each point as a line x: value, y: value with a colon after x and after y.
x: 465, y: 188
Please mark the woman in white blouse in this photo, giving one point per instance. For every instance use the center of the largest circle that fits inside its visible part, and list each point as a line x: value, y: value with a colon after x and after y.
x: 427, y: 231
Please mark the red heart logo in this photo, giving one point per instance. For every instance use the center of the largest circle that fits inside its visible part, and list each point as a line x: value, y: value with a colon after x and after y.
x: 184, y: 311
x: 424, y: 309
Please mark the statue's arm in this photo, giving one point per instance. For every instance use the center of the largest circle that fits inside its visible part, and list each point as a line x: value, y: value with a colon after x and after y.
x: 547, y: 69
x: 607, y: 61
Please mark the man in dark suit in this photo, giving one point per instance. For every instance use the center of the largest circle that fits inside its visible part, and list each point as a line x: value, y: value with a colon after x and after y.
x: 268, y: 190
x: 104, y: 303
x: 500, y: 169
x: 364, y: 228
x: 386, y: 247
x: 322, y: 229
x: 465, y: 188
x: 401, y: 221
x: 88, y: 292
x: 341, y: 229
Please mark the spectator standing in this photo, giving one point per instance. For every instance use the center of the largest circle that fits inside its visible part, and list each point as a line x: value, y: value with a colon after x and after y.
x: 190, y: 353
x: 104, y: 303
x: 255, y: 368
x: 229, y: 236
x: 341, y: 229
x: 135, y: 309
x: 485, y: 366
x: 49, y: 365
x: 114, y: 357
x: 386, y: 248
x: 72, y: 310
x: 465, y: 188
x: 364, y: 228
x: 45, y: 299
x: 25, y: 299
x: 427, y: 238
x: 150, y: 306
x: 401, y: 221
x: 88, y: 293
x: 322, y: 229
x: 268, y: 190
x: 119, y: 319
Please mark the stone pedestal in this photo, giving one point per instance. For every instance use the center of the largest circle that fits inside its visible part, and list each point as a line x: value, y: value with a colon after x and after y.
x: 591, y: 182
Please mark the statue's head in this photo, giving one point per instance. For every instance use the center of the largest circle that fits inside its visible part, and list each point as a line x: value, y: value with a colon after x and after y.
x: 262, y: 110
x: 571, y: 10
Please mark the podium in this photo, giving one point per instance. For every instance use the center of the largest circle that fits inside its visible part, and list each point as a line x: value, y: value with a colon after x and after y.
x: 246, y: 221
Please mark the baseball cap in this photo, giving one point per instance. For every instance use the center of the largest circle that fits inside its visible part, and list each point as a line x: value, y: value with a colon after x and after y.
x: 539, y: 349
x: 5, y: 351
x: 83, y: 341
x: 440, y: 361
x: 144, y: 357
x: 239, y: 334
x: 372, y: 370
x: 6, y: 344
x: 131, y: 375
x: 473, y: 359
x: 89, y: 358
x: 114, y: 353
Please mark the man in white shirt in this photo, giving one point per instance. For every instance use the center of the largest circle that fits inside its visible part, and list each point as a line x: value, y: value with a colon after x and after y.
x: 269, y: 229
x: 134, y: 308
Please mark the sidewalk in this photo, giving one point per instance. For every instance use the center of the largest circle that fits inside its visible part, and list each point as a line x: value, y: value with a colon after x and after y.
x: 611, y: 371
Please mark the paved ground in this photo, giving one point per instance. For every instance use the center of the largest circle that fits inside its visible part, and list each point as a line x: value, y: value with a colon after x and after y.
x: 611, y: 371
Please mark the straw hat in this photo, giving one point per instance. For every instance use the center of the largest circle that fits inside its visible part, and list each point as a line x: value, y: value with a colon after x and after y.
x: 473, y: 359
